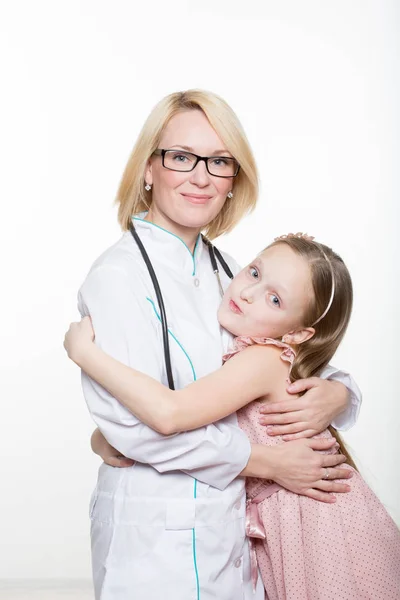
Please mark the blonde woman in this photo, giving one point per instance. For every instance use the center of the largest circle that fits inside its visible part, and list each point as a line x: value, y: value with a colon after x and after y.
x: 172, y: 526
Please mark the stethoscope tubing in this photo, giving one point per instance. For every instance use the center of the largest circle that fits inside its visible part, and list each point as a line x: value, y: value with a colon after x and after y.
x: 157, y: 289
x: 214, y: 253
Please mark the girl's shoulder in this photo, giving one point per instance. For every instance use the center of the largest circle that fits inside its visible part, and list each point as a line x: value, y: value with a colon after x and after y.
x: 240, y: 343
x: 263, y: 359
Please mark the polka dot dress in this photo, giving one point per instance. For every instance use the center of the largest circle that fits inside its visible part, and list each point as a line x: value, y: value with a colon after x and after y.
x: 349, y: 550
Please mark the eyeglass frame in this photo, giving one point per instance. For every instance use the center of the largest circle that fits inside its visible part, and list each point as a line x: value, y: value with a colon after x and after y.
x: 162, y: 152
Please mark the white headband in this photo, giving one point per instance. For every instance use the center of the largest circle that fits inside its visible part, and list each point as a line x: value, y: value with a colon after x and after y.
x: 311, y: 238
x: 333, y: 287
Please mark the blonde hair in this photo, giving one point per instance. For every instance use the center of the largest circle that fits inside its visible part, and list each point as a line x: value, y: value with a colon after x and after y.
x: 314, y: 354
x: 133, y: 198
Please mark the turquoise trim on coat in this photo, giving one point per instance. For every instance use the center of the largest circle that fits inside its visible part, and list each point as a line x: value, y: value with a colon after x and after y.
x: 194, y: 547
x: 174, y: 338
x: 195, y: 481
x: 178, y: 238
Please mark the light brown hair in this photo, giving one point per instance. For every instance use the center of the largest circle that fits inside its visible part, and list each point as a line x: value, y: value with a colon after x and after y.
x: 314, y: 354
x: 132, y: 198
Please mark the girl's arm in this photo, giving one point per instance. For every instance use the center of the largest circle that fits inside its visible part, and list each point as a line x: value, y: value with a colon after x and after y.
x: 247, y: 376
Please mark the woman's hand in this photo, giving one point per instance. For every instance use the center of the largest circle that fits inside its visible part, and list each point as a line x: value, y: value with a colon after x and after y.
x: 307, y: 415
x: 301, y: 470
x: 297, y: 467
x: 110, y: 455
x: 78, y: 336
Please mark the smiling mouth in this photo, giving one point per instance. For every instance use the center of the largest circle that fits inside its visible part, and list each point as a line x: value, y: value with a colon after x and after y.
x: 197, y: 198
x: 234, y: 307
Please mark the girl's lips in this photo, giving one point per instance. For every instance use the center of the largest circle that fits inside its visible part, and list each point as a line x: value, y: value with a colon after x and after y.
x: 197, y: 198
x: 234, y: 307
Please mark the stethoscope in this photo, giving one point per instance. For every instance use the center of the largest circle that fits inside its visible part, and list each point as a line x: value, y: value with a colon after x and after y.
x: 214, y: 255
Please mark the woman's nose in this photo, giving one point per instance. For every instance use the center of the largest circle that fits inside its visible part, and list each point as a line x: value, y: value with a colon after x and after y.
x: 199, y: 175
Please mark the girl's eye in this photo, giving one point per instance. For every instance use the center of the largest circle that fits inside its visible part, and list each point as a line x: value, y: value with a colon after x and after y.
x: 254, y: 272
x: 275, y: 300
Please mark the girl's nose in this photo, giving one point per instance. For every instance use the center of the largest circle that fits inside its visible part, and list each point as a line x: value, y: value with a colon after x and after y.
x: 247, y: 295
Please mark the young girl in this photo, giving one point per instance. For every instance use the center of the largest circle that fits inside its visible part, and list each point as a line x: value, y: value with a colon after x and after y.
x: 289, y: 310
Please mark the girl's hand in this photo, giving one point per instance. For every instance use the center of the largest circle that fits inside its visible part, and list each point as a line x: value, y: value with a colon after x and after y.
x: 78, y: 336
x: 308, y: 415
x: 110, y: 455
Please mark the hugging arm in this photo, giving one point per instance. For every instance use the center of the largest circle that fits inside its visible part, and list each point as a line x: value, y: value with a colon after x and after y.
x: 215, y: 454
x: 245, y: 377
x: 294, y: 466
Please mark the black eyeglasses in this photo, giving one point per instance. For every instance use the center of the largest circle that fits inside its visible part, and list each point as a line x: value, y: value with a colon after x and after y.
x: 180, y: 160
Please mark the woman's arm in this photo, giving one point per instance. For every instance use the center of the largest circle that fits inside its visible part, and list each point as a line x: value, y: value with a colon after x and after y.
x: 295, y: 466
x: 247, y: 376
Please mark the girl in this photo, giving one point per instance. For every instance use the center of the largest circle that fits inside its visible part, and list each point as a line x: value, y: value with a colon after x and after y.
x: 289, y: 310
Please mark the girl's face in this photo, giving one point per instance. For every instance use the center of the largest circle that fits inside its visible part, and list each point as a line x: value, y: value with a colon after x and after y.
x: 268, y: 298
x: 190, y: 200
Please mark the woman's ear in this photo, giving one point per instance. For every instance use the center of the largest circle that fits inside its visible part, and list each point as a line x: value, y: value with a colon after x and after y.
x: 148, y: 173
x: 299, y: 336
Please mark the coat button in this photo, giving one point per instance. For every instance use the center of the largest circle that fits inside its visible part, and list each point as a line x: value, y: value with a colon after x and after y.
x: 238, y: 562
x: 196, y: 282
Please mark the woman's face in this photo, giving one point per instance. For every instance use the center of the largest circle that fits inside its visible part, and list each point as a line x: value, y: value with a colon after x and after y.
x: 188, y: 200
x: 268, y: 298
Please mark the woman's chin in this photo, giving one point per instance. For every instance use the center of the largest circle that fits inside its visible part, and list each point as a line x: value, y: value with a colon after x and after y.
x: 198, y: 216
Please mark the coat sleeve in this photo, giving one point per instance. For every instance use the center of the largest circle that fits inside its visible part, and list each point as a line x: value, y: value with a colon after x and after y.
x: 215, y: 454
x: 347, y: 418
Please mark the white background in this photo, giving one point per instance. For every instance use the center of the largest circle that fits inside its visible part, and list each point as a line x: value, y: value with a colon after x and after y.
x: 316, y: 86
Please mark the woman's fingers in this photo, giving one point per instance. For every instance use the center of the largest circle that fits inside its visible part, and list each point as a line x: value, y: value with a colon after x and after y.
x: 286, y: 429
x: 320, y: 496
x: 297, y: 436
x: 336, y: 473
x: 324, y: 489
x: 322, y: 444
x: 332, y: 486
x: 280, y: 419
x: 331, y: 460
x: 303, y: 384
x: 281, y: 407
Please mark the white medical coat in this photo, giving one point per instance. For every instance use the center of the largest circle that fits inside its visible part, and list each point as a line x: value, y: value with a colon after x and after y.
x: 172, y: 526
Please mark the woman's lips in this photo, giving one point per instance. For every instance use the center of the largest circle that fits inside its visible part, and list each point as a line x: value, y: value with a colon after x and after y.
x: 197, y: 198
x: 234, y: 307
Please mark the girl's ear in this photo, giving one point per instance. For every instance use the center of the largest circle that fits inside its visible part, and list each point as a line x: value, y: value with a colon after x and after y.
x: 299, y: 336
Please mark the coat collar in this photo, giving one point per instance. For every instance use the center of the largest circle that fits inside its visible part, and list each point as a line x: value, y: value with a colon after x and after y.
x: 167, y: 248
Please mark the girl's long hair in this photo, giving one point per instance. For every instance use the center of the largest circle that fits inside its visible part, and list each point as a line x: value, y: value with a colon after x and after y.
x: 314, y: 354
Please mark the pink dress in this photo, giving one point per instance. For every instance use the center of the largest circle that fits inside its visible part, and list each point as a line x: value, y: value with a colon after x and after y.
x: 349, y: 550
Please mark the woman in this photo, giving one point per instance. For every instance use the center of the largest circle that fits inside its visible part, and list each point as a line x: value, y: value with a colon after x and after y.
x: 172, y: 525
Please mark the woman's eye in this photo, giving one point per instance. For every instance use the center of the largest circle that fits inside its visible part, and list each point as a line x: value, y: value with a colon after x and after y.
x: 180, y: 157
x: 253, y: 272
x: 220, y: 162
x: 275, y: 300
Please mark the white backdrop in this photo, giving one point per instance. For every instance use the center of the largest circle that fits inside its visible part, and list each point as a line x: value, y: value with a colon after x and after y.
x: 316, y: 86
